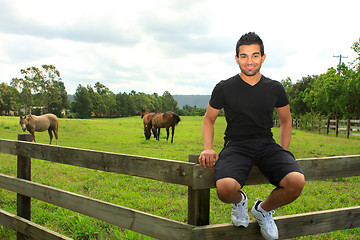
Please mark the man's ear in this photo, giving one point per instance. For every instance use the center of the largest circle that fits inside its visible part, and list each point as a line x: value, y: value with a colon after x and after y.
x: 237, y: 59
x: 263, y: 58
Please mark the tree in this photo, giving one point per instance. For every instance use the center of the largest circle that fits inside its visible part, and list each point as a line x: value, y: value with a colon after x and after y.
x: 109, y: 99
x: 297, y: 93
x: 356, y: 48
x: 42, y: 88
x: 145, y: 101
x: 326, y: 94
x: 97, y: 104
x: 26, y: 99
x: 350, y: 98
x: 9, y: 98
x: 168, y: 103
x: 82, y: 103
x: 122, y: 104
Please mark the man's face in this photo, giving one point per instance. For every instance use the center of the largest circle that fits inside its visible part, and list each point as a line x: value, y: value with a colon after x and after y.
x: 250, y: 59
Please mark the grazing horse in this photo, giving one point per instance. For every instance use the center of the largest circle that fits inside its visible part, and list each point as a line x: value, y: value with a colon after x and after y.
x: 163, y: 120
x: 146, y: 119
x: 40, y: 124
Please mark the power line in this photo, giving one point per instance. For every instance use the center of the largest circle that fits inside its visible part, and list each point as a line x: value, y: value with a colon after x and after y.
x: 340, y: 56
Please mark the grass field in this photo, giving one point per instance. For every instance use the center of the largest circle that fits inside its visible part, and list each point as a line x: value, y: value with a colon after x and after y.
x: 125, y: 135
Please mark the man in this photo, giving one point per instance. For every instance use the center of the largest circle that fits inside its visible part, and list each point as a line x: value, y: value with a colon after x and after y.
x: 248, y: 100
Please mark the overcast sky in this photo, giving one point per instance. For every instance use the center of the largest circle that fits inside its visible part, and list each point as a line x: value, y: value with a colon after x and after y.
x: 180, y: 46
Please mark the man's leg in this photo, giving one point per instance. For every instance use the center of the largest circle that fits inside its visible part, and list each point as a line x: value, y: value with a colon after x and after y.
x: 229, y: 192
x: 289, y: 189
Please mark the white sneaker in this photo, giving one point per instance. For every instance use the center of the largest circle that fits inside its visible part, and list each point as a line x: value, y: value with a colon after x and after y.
x: 266, y: 222
x: 239, y: 212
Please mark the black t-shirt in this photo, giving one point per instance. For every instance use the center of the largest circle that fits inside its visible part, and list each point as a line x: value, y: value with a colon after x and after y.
x: 248, y: 109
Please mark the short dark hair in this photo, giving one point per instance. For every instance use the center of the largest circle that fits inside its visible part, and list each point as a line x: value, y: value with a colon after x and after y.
x: 248, y: 39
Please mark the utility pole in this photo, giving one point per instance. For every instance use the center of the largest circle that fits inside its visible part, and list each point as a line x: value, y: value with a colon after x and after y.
x: 340, y: 56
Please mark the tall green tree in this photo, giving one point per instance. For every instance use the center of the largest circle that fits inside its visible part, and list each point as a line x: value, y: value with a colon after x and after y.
x: 325, y: 94
x: 9, y: 98
x: 297, y: 94
x: 107, y: 99
x: 45, y: 87
x: 122, y: 107
x: 82, y: 103
x: 26, y: 98
x: 97, y: 103
x: 168, y: 103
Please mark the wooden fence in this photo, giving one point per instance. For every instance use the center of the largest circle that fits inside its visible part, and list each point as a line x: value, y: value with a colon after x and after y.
x: 345, y: 127
x: 191, y: 174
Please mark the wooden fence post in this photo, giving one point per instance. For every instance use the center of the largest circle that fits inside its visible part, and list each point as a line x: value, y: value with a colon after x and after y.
x: 198, y: 203
x: 328, y: 126
x: 337, y: 127
x: 23, y: 172
x: 348, y: 128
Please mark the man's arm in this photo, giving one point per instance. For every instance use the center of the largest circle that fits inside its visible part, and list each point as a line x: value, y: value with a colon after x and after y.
x: 285, y: 126
x: 207, y: 157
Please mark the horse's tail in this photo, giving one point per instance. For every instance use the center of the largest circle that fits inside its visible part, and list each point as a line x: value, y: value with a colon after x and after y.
x: 176, y: 118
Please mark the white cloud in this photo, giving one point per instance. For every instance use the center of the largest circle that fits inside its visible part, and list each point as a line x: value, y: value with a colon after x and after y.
x: 184, y: 47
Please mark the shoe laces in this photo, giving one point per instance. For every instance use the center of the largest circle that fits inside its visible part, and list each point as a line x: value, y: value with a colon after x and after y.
x: 268, y: 217
x: 238, y: 206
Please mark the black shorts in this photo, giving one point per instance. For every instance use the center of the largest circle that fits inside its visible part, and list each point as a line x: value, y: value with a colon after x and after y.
x: 237, y: 158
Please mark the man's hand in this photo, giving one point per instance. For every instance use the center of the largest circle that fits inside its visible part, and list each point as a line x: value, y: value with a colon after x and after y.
x: 207, y: 157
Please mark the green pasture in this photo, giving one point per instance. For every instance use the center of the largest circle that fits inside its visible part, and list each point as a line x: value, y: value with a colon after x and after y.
x: 125, y: 135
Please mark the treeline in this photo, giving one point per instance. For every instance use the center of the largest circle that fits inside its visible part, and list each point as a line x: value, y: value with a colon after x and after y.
x: 41, y: 90
x: 334, y: 94
x: 101, y: 102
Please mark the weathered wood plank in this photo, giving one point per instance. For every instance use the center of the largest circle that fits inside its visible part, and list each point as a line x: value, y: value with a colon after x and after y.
x: 131, y: 219
x: 184, y: 173
x: 289, y: 226
x: 330, y: 167
x: 161, y: 169
x: 27, y: 228
x: 314, y: 169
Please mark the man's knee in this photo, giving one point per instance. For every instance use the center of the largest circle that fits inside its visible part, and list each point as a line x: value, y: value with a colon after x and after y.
x: 293, y: 183
x: 227, y: 189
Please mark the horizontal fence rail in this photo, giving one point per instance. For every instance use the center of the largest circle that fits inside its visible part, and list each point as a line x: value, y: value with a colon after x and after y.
x: 163, y: 170
x: 134, y: 220
x: 184, y: 173
x: 345, y: 127
x: 191, y: 174
x: 28, y: 228
x: 289, y: 226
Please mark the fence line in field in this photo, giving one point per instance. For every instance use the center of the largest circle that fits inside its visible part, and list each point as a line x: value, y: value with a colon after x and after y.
x: 191, y: 174
x: 346, y: 127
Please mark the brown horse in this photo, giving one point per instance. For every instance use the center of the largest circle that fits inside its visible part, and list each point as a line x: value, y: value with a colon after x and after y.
x: 40, y: 124
x: 146, y: 116
x: 163, y: 120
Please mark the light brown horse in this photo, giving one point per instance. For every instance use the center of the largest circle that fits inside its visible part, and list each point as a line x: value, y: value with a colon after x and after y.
x: 40, y: 124
x: 163, y: 120
x: 146, y: 116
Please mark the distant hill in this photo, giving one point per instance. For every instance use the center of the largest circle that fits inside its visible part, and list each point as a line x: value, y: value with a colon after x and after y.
x: 200, y: 101
x: 70, y: 97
